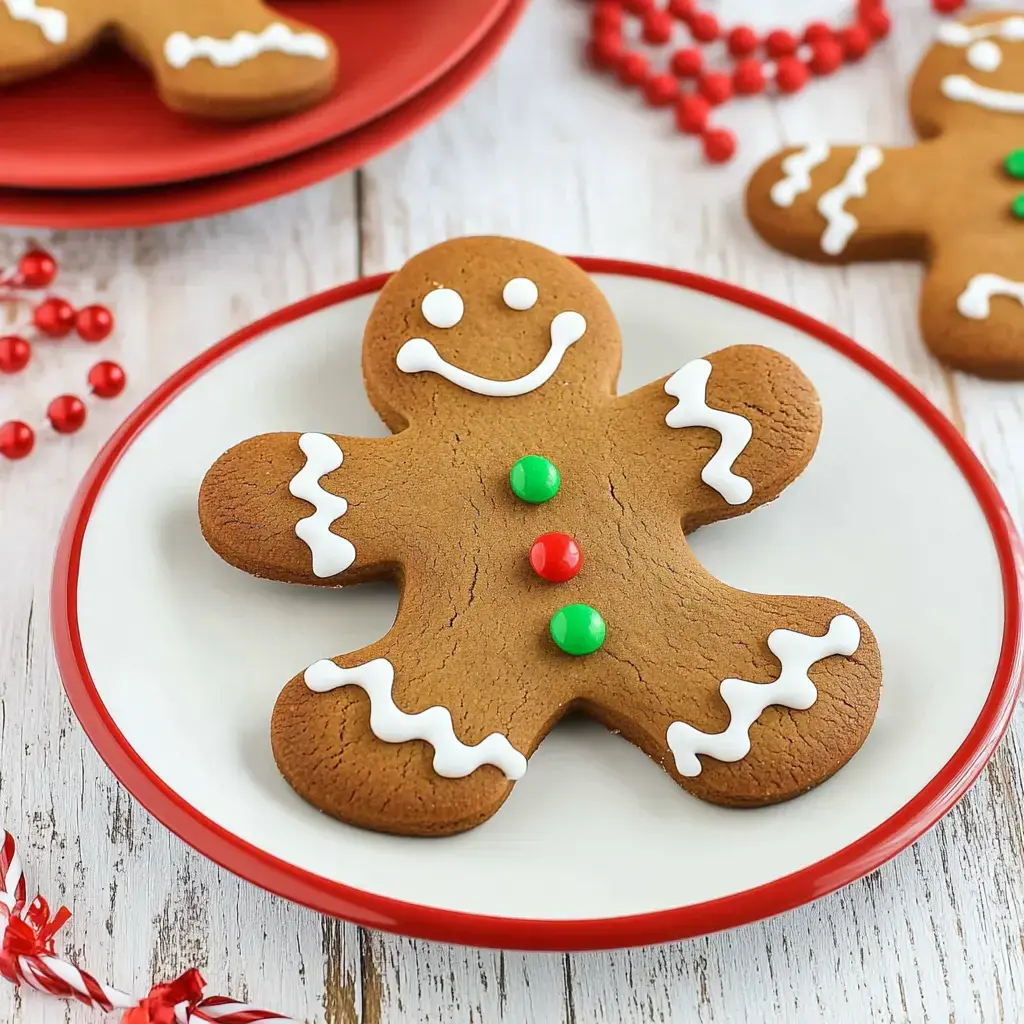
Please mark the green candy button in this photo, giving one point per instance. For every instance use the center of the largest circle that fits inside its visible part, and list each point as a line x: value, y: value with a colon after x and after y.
x: 1015, y: 164
x: 1018, y: 207
x: 578, y: 629
x: 535, y: 479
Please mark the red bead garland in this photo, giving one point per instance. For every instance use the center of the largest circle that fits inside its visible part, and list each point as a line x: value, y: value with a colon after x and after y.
x: 94, y: 323
x: 17, y: 439
x: 66, y: 414
x: 15, y: 353
x: 54, y: 317
x: 107, y: 379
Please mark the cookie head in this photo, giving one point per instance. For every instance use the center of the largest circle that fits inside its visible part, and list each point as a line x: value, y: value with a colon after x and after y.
x: 973, y: 77
x: 483, y: 320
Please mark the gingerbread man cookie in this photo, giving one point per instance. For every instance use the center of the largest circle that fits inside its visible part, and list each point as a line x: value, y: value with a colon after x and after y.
x: 535, y: 524
x: 232, y: 59
x: 955, y: 200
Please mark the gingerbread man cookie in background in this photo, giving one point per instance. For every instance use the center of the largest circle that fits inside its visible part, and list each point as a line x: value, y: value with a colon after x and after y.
x: 231, y: 59
x: 954, y: 201
x: 535, y: 523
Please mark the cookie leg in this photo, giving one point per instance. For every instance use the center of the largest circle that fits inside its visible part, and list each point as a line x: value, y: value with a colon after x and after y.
x: 37, y: 38
x: 839, y: 204
x: 972, y: 306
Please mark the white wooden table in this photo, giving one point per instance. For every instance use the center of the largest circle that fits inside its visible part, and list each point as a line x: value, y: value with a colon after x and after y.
x: 543, y: 151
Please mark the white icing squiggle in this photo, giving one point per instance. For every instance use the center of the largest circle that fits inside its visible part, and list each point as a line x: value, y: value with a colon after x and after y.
x: 832, y: 205
x: 797, y: 168
x: 418, y: 356
x: 453, y: 759
x: 53, y: 23
x: 952, y: 33
x: 331, y: 554
x: 796, y: 652
x: 965, y: 90
x: 180, y: 49
x: 690, y: 385
x: 975, y: 302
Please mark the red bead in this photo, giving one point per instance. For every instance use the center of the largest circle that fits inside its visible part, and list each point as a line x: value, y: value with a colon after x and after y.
x: 36, y: 269
x: 719, y: 145
x: 742, y: 41
x: 66, y: 414
x: 681, y: 9
x: 827, y: 57
x: 15, y: 354
x: 54, y: 317
x: 780, y: 43
x: 640, y: 7
x: 606, y: 49
x: 661, y: 90
x: 748, y: 77
x: 556, y: 557
x: 692, y: 114
x: 632, y: 68
x: 817, y: 32
x: 877, y: 22
x: 657, y: 27
x: 704, y: 27
x: 687, y: 63
x: 94, y: 323
x: 791, y: 75
x: 946, y: 6
x: 856, y: 41
x: 607, y: 16
x: 107, y: 379
x: 17, y: 439
x: 715, y: 87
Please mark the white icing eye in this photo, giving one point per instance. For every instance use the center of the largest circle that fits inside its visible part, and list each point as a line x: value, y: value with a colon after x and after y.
x: 984, y: 55
x: 520, y: 293
x: 443, y: 308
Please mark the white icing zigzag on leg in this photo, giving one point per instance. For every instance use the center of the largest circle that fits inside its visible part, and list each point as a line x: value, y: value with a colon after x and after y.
x: 832, y: 205
x: 796, y: 652
x: 797, y: 167
x: 975, y: 301
x: 452, y: 758
x: 53, y: 23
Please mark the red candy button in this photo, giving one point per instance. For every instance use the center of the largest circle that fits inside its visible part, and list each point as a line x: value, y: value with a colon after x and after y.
x: 556, y: 557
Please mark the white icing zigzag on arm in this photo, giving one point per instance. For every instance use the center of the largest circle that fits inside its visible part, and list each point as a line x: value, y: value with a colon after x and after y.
x: 797, y: 167
x: 331, y: 554
x: 796, y: 652
x: 832, y: 205
x: 975, y: 301
x: 690, y: 386
x: 53, y: 23
x: 180, y: 49
x: 453, y: 759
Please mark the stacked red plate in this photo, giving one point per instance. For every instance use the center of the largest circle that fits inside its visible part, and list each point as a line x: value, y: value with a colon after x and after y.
x: 94, y: 147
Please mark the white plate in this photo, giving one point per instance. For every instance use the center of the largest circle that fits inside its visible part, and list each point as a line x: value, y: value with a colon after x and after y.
x: 173, y: 659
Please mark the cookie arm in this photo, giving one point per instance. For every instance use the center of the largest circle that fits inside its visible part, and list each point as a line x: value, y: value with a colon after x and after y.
x: 721, y: 436
x: 307, y: 508
x: 42, y: 37
x: 843, y: 203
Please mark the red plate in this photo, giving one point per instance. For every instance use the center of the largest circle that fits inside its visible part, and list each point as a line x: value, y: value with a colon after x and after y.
x: 164, y: 205
x: 99, y: 124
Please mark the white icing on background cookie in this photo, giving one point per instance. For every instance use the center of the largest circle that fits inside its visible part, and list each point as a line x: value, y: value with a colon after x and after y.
x: 797, y: 167
x: 984, y: 55
x: 832, y: 205
x: 442, y: 308
x: 520, y: 293
x: 180, y: 49
x: 796, y: 652
x: 418, y: 356
x: 975, y: 301
x: 453, y: 759
x: 690, y: 386
x: 53, y: 23
x: 952, y: 33
x: 331, y: 554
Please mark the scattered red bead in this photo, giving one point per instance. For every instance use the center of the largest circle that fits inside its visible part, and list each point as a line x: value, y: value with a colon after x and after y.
x: 827, y: 57
x: 661, y: 90
x: 704, y: 27
x: 780, y: 43
x: 107, y: 379
x: 791, y: 75
x: 856, y: 41
x: 719, y: 145
x: 657, y: 27
x: 556, y: 557
x: 692, y: 114
x: 682, y: 9
x: 15, y: 354
x: 638, y: 6
x: 817, y: 32
x: 687, y: 63
x: 606, y: 49
x: 607, y: 16
x: 947, y: 6
x: 94, y: 323
x: 715, y: 87
x: 632, y: 68
x: 54, y: 317
x: 17, y: 439
x: 748, y: 78
x: 66, y: 414
x: 742, y: 41
x: 36, y: 269
x: 877, y: 22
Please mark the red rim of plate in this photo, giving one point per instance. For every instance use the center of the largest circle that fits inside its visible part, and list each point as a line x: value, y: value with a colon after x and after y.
x: 143, y: 207
x: 373, y: 911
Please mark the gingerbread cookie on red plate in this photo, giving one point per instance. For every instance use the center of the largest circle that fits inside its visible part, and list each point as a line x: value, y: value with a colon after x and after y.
x: 231, y: 59
x: 954, y: 201
x: 535, y: 522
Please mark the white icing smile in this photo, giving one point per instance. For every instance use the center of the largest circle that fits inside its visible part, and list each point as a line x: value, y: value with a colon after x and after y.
x: 331, y: 554
x: 419, y: 356
x: 453, y: 759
